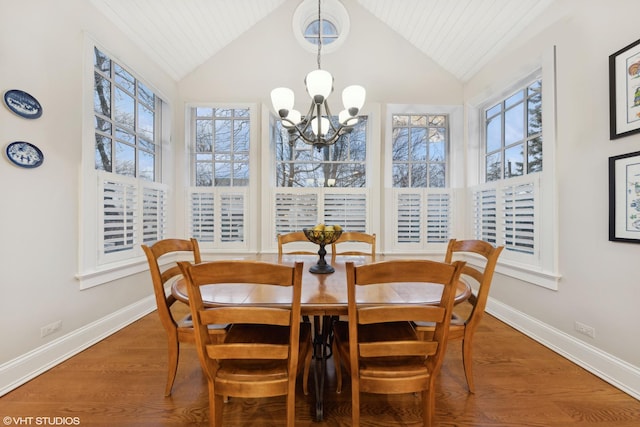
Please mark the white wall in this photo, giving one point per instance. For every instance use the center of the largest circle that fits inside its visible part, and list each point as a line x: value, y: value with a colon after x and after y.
x: 41, y: 45
x: 599, y: 285
x: 41, y: 52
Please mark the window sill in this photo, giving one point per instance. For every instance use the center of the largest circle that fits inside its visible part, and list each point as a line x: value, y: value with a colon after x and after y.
x: 529, y: 274
x: 89, y: 279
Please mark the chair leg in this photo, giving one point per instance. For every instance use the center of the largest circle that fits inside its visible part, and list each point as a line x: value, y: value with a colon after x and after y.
x: 428, y: 406
x: 467, y: 362
x: 291, y: 405
x: 216, y: 402
x: 355, y: 403
x: 172, y: 365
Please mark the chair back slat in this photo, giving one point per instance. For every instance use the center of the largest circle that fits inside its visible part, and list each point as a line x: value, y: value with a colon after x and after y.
x: 398, y: 348
x: 248, y: 351
x: 247, y: 315
x: 368, y: 315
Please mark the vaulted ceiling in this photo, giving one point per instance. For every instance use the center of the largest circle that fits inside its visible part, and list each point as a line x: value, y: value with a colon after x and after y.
x: 459, y: 35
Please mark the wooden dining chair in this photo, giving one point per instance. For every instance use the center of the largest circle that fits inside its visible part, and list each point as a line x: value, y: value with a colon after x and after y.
x: 180, y: 330
x: 259, y: 355
x: 295, y: 237
x: 358, y: 237
x: 464, y: 327
x: 384, y: 351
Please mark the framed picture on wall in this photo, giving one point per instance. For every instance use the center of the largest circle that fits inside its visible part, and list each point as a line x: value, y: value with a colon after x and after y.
x: 624, y: 91
x: 624, y: 198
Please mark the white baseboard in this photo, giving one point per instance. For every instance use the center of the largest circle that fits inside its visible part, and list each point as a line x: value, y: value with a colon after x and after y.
x: 615, y: 371
x: 29, y: 365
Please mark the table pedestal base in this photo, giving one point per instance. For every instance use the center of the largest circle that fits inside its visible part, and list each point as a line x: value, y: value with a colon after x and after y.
x: 321, y: 352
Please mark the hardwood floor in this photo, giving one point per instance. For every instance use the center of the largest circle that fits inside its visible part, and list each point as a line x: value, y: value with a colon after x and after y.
x: 120, y: 382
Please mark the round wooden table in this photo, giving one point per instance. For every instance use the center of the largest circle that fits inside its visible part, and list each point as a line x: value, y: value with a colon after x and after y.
x: 322, y: 294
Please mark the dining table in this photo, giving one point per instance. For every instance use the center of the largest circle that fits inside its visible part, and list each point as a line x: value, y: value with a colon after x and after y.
x: 324, y: 297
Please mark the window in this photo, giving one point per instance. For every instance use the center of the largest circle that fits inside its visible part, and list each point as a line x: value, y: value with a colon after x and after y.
x: 419, y: 147
x: 126, y: 112
x: 513, y: 202
x: 342, y: 164
x: 513, y: 134
x: 325, y: 34
x: 505, y: 210
x: 421, y: 198
x: 222, y: 147
x: 125, y: 203
x: 332, y: 33
x: 220, y: 180
x: 327, y: 185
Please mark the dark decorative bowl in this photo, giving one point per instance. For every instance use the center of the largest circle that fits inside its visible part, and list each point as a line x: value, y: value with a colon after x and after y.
x: 322, y: 238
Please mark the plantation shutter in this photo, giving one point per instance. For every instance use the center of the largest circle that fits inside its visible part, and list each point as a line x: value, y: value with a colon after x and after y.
x: 202, y: 223
x: 409, y: 217
x: 132, y: 212
x: 438, y: 217
x: 347, y: 210
x: 232, y: 217
x: 485, y: 207
x: 118, y: 224
x: 154, y: 218
x: 218, y: 216
x: 518, y: 217
x: 505, y: 213
x: 295, y: 211
x: 423, y: 217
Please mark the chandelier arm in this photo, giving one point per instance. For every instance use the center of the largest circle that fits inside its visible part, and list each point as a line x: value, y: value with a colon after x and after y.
x: 328, y: 111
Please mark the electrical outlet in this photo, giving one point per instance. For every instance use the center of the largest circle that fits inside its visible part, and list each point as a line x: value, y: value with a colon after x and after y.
x: 50, y: 328
x: 585, y: 329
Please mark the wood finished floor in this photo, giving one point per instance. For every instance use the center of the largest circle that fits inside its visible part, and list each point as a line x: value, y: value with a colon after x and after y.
x: 120, y: 382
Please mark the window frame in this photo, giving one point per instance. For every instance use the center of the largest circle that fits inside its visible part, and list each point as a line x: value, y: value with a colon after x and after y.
x: 540, y: 268
x: 430, y: 198
x: 217, y: 195
x: 332, y: 11
x: 95, y: 267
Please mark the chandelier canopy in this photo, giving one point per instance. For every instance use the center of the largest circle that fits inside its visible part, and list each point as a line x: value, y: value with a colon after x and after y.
x: 317, y: 127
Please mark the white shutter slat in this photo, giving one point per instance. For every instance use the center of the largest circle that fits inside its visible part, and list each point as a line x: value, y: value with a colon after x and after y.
x: 295, y: 211
x: 347, y: 210
x: 505, y: 214
x: 154, y: 214
x: 119, y: 208
x: 409, y: 220
x: 485, y: 207
x: 202, y: 221
x: 438, y: 217
x: 519, y: 217
x: 232, y: 217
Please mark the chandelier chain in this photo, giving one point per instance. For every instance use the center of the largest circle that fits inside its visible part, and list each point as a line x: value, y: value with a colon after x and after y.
x: 319, y: 34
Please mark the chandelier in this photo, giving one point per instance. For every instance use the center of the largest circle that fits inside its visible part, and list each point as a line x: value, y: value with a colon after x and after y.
x: 317, y: 127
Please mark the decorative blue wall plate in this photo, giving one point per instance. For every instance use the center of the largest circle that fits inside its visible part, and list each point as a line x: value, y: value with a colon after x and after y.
x: 24, y: 154
x: 22, y: 104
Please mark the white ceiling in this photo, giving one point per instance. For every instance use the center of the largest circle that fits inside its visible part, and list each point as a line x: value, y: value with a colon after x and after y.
x: 460, y: 35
